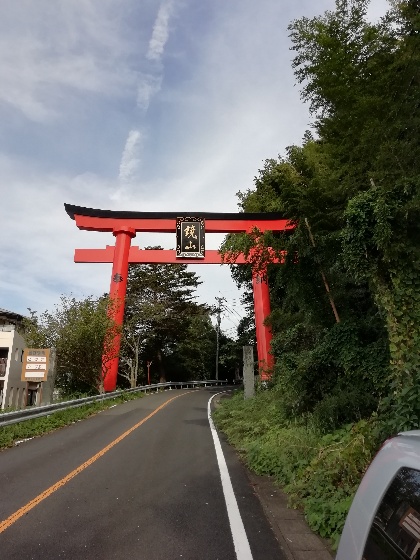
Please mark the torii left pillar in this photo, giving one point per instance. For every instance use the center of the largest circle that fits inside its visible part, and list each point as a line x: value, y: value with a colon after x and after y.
x: 117, y: 293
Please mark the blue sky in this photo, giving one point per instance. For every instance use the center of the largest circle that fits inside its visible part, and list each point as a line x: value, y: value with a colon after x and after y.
x: 141, y: 105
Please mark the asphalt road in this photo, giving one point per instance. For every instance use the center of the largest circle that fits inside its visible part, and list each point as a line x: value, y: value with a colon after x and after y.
x: 139, y: 481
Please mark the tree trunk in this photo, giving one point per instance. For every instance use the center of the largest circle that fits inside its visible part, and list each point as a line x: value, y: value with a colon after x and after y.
x: 324, y: 278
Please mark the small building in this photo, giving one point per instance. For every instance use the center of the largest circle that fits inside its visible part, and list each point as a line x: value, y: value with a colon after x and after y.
x: 8, y: 318
x: 15, y: 393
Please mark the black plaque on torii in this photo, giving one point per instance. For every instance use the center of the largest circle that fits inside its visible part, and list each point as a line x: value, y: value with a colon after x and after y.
x: 190, y: 238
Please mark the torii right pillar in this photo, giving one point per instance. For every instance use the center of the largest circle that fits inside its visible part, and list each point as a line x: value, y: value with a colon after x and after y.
x: 263, y: 332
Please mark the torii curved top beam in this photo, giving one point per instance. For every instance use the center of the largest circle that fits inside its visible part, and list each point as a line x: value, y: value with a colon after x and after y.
x: 94, y: 219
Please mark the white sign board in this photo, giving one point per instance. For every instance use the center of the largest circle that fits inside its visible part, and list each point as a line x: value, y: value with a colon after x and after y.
x: 35, y: 364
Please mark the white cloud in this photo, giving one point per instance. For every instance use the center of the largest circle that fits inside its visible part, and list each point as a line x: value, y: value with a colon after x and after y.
x: 130, y: 159
x: 38, y: 238
x: 51, y: 50
x: 147, y: 87
x: 160, y: 31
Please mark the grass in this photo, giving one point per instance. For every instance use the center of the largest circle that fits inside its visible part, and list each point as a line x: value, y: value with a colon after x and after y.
x: 319, y: 472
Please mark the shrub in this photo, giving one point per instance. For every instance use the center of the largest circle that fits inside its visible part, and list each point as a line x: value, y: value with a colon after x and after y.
x: 342, y: 408
x: 320, y: 472
x: 324, y: 489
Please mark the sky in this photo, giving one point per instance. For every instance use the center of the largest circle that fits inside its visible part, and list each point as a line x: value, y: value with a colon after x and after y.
x: 145, y: 105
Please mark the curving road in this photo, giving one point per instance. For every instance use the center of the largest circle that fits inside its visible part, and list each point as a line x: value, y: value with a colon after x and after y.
x: 144, y: 480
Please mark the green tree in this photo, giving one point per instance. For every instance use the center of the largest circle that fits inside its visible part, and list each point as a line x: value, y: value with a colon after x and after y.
x: 363, y: 83
x: 316, y: 357
x: 159, y: 307
x: 80, y: 331
x: 194, y: 355
x: 353, y: 193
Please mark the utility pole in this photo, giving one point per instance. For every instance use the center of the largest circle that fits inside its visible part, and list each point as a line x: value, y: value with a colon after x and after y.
x: 218, y: 310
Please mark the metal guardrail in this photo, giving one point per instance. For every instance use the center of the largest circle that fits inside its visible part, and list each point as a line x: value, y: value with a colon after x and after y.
x: 8, y: 418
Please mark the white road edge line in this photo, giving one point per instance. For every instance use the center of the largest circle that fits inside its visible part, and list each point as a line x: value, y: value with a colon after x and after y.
x: 240, y: 539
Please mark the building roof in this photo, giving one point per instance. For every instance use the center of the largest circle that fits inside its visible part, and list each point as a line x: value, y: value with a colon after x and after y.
x: 11, y: 315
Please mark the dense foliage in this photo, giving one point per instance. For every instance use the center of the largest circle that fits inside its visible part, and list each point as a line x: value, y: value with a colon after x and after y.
x: 79, y: 330
x: 166, y: 328
x: 345, y: 306
x: 320, y: 472
x: 346, y: 303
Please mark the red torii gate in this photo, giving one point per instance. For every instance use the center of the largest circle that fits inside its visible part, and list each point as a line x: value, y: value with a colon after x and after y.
x: 125, y: 224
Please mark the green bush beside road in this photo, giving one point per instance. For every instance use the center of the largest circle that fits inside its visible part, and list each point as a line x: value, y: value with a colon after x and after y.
x: 319, y: 472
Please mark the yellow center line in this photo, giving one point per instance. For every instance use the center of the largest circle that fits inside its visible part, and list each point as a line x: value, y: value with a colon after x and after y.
x: 30, y: 505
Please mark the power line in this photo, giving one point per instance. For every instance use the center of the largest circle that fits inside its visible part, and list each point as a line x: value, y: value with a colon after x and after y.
x: 233, y: 322
x: 230, y: 309
x: 226, y: 309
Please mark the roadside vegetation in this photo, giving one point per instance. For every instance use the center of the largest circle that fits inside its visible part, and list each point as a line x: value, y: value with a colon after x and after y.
x: 346, y: 303
x: 319, y: 472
